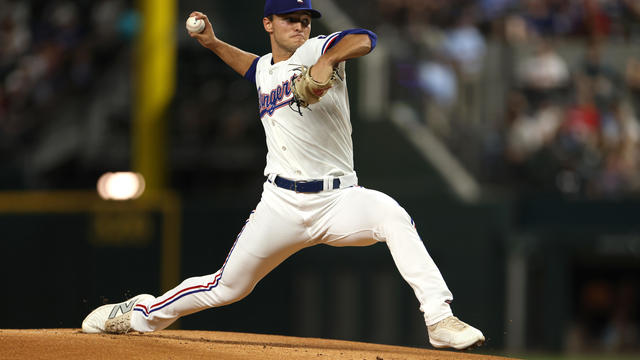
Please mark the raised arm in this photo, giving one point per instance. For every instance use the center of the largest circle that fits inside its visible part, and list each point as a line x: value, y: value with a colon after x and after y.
x: 349, y: 47
x: 239, y: 60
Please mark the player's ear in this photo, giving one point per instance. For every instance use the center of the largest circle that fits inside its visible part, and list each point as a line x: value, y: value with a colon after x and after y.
x: 268, y: 25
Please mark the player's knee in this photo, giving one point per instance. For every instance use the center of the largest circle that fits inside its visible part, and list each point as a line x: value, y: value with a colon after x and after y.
x: 396, y: 222
x: 385, y: 214
x: 399, y: 217
x: 395, y: 213
x: 236, y: 292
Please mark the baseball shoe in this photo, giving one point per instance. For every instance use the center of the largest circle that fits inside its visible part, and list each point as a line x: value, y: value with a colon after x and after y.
x: 112, y: 318
x: 453, y: 333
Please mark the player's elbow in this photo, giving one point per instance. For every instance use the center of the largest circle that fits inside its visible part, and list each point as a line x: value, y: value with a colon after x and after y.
x: 365, y: 44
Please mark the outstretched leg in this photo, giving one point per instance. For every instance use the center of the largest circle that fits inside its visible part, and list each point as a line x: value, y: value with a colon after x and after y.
x: 235, y: 280
x: 270, y: 235
x: 264, y: 243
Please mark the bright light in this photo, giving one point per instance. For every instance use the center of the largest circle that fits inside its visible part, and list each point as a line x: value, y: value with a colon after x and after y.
x: 120, y: 185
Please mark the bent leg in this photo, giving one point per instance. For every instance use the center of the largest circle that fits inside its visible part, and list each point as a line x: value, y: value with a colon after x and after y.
x: 362, y: 216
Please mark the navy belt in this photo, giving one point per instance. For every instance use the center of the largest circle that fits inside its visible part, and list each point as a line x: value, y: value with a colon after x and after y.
x: 303, y: 186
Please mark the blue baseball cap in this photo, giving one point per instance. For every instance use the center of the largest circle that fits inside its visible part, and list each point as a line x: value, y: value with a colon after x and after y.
x: 279, y: 7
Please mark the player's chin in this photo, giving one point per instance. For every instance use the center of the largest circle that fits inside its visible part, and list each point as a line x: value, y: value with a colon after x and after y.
x: 299, y: 39
x: 297, y: 42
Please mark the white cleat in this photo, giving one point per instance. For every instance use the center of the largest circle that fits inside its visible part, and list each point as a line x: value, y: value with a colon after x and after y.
x: 453, y: 333
x: 112, y: 318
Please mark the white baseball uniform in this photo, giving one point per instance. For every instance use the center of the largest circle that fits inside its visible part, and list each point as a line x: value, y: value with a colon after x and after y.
x: 314, y: 145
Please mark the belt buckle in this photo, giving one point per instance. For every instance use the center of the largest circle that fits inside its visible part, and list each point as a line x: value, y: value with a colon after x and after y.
x: 296, y: 182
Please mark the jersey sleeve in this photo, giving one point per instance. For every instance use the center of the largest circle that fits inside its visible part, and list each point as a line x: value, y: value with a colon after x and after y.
x: 251, y: 73
x: 336, y: 37
x: 317, y: 46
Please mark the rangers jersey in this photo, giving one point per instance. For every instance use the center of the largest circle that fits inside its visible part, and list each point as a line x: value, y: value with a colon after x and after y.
x: 305, y: 143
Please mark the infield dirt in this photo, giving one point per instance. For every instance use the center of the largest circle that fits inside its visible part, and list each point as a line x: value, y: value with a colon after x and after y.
x: 72, y: 344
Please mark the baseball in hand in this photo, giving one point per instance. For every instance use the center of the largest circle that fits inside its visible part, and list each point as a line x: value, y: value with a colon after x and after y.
x: 195, y: 25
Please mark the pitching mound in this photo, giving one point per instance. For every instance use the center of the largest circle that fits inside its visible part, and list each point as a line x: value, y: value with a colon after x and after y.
x: 71, y: 344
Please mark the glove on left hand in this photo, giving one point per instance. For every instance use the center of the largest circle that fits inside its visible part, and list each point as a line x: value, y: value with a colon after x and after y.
x: 308, y: 91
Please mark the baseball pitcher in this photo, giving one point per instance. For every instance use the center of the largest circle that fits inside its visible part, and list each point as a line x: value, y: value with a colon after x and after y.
x: 311, y: 194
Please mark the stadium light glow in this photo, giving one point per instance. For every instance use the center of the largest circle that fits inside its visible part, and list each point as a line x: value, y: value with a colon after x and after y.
x: 121, y: 186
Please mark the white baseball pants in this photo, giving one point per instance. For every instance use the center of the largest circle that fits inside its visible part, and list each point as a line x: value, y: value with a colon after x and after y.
x: 285, y: 222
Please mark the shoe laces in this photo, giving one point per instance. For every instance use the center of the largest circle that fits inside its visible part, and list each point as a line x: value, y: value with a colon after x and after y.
x: 453, y: 322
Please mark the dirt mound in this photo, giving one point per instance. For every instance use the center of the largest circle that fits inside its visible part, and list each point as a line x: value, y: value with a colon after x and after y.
x: 72, y: 344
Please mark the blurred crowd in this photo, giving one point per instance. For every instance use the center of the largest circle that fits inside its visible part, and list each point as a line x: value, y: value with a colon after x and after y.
x: 566, y: 121
x: 564, y: 125
x: 52, y: 53
x: 578, y: 128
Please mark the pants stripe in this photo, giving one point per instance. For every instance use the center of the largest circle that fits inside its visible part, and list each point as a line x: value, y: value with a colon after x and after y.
x: 193, y: 289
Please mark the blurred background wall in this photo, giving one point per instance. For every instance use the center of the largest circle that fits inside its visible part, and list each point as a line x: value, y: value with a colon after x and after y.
x: 507, y: 129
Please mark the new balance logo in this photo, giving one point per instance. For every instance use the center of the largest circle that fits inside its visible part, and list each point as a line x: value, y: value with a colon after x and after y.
x: 124, y: 308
